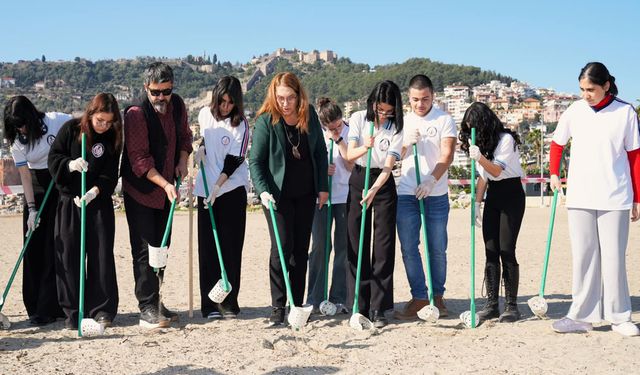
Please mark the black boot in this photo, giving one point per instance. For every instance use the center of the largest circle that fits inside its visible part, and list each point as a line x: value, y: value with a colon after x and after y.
x: 511, y: 280
x: 492, y: 281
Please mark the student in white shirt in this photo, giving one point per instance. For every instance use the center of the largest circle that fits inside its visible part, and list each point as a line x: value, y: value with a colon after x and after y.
x: 433, y: 131
x: 603, y: 187
x: 499, y: 173
x: 384, y: 110
x: 31, y: 133
x: 336, y: 130
x: 226, y: 139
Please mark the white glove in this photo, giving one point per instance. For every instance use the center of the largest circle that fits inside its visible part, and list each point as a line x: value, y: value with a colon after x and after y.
x: 479, y: 214
x: 411, y: 138
x: 78, y: 165
x: 424, y: 189
x: 265, y: 198
x: 474, y: 152
x: 208, y: 201
x: 31, y: 221
x: 87, y: 197
x: 555, y: 183
x: 200, y: 155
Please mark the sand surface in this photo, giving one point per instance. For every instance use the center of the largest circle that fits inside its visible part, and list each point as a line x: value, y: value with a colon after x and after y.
x: 328, y: 345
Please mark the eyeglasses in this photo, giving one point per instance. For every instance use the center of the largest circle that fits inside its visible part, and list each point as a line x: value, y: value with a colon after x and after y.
x: 389, y: 114
x: 165, y: 92
x: 289, y: 99
x: 104, y: 123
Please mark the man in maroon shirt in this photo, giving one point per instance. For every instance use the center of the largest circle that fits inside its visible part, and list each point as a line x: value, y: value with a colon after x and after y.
x: 157, y: 145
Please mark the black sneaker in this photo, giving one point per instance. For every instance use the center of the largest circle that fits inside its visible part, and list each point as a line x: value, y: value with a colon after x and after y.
x: 170, y: 315
x: 229, y: 312
x: 150, y: 318
x: 277, y: 316
x: 378, y: 319
x: 70, y: 325
x: 39, y: 321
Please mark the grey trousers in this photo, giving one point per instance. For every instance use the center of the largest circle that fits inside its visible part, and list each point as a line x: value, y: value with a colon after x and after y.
x: 598, y: 245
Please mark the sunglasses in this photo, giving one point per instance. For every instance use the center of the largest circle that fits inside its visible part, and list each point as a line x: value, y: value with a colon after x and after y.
x: 165, y: 92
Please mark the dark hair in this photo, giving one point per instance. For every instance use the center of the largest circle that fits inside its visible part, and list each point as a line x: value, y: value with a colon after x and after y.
x: 18, y: 111
x: 488, y: 130
x: 158, y: 72
x: 420, y: 82
x: 598, y: 74
x: 328, y: 111
x: 386, y: 92
x: 103, y: 102
x: 231, y: 86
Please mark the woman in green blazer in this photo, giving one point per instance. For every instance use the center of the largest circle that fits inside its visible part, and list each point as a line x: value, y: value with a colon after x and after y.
x: 288, y: 166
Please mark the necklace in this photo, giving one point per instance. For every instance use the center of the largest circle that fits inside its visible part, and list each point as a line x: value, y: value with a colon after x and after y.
x: 294, y: 148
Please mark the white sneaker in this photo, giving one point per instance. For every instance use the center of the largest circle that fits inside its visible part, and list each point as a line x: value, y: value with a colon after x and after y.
x: 626, y: 329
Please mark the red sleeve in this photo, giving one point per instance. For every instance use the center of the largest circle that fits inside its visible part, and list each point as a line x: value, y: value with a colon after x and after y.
x: 634, y: 166
x: 555, y: 157
x: 137, y: 139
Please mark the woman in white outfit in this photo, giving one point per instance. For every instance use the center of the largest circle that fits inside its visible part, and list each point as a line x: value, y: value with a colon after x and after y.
x: 602, y: 188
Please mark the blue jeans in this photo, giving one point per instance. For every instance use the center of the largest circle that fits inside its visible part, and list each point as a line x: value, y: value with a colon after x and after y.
x: 408, y: 221
x: 338, y: 291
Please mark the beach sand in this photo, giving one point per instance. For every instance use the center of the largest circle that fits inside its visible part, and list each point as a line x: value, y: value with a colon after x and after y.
x: 327, y: 345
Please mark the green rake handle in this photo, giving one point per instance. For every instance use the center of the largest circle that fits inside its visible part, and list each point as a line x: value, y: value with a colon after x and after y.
x: 472, y: 304
x: 547, y: 252
x: 83, y: 229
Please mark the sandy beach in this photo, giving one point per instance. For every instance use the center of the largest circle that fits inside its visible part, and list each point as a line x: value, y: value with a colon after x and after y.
x: 327, y: 345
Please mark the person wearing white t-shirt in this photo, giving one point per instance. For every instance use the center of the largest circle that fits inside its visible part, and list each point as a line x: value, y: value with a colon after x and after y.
x: 433, y: 131
x: 31, y: 133
x: 497, y: 156
x: 384, y: 111
x: 603, y: 186
x: 226, y: 138
x: 336, y: 131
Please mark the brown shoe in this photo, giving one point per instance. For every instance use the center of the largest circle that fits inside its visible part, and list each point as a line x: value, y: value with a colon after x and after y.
x: 439, y: 302
x: 410, y: 310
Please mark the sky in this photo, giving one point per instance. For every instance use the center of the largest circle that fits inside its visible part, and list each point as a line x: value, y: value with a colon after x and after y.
x: 544, y: 43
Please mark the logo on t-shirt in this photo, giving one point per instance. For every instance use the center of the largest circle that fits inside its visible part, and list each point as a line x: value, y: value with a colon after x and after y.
x: 431, y: 131
x: 97, y: 150
x: 50, y: 139
x: 384, y: 144
x: 225, y: 140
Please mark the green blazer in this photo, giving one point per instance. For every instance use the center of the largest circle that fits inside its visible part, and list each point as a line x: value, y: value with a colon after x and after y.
x: 267, y: 155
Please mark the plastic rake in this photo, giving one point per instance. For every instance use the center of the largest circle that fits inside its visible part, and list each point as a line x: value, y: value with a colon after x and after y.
x: 358, y: 321
x: 226, y: 286
x: 327, y: 307
x: 429, y: 313
x: 4, y: 320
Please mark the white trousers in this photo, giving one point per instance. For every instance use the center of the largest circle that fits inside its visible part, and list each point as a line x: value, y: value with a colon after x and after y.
x: 598, y: 245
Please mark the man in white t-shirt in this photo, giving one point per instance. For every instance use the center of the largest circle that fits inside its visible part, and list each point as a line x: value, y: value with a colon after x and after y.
x: 434, y: 133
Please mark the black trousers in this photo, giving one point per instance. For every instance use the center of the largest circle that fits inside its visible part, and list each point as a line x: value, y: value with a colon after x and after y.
x: 294, y: 218
x: 376, y: 278
x: 101, y: 286
x: 39, y: 291
x: 501, y: 220
x: 230, y: 215
x: 146, y: 227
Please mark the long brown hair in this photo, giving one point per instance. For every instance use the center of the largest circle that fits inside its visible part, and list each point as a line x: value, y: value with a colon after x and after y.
x: 103, y: 102
x: 270, y: 104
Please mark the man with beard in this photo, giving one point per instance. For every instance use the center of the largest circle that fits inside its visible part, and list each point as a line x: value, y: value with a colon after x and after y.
x: 158, y: 143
